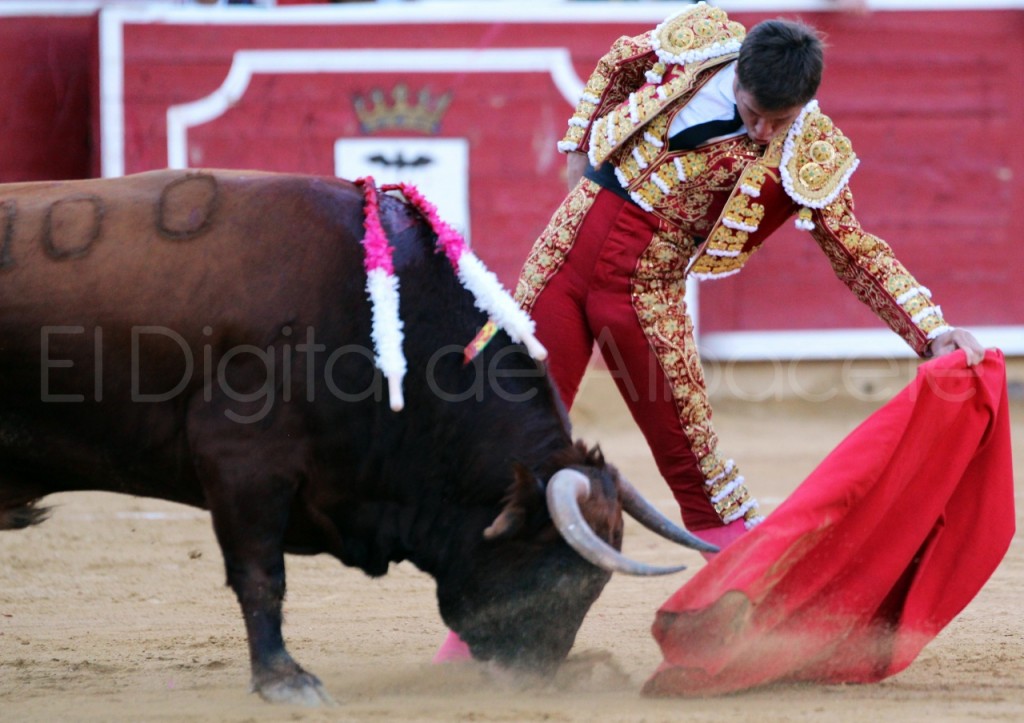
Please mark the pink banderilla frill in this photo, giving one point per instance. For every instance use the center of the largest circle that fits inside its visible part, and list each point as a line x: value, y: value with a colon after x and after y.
x: 382, y: 286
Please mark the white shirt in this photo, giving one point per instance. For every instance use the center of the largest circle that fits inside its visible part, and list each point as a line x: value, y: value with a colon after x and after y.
x: 714, y: 101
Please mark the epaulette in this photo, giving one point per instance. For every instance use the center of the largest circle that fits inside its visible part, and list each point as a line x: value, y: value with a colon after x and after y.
x: 817, y: 160
x: 696, y: 33
x: 683, y: 44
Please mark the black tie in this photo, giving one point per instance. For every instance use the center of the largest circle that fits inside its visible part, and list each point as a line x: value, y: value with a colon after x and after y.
x: 693, y: 136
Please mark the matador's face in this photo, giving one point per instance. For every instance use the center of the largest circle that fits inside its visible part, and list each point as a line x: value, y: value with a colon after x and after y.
x: 762, y: 125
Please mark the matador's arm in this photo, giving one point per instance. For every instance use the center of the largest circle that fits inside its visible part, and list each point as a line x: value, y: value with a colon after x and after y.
x: 867, y: 265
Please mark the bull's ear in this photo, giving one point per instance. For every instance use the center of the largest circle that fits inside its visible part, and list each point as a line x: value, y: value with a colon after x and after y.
x: 524, y: 494
x: 594, y: 456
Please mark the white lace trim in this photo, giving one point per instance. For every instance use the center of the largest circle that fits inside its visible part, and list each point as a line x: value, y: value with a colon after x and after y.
x: 665, y: 188
x: 789, y: 148
x: 939, y: 331
x: 925, y: 313
x: 690, y: 56
x: 704, y: 276
x: 738, y: 226
x: 679, y: 169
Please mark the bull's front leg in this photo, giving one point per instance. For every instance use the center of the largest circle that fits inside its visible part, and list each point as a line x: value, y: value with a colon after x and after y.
x: 259, y: 583
x: 250, y: 488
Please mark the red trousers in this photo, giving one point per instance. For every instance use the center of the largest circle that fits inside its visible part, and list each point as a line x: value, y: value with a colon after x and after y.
x: 590, y: 298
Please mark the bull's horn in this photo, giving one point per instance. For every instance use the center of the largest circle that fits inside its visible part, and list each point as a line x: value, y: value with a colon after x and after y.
x: 641, y: 510
x: 565, y: 490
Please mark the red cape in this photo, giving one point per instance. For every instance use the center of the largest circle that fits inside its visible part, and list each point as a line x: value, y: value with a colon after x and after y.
x: 875, y: 552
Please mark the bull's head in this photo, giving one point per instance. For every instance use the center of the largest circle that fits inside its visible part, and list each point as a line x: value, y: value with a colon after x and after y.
x: 545, y: 560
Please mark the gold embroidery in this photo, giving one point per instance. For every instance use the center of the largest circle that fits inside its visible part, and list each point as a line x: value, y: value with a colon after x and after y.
x: 867, y: 265
x: 658, y: 287
x: 899, y: 284
x: 723, y: 255
x: 743, y: 211
x: 630, y: 165
x: 647, y: 101
x: 685, y: 199
x: 623, y: 122
x: 753, y: 179
x: 818, y: 161
x: 694, y: 33
x: 619, y: 71
x: 693, y: 164
x: 549, y: 252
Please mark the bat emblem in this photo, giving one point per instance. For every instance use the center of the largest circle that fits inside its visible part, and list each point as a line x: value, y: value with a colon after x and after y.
x: 400, y: 161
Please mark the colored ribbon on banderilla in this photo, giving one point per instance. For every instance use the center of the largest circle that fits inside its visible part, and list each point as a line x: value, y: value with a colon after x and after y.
x: 382, y: 286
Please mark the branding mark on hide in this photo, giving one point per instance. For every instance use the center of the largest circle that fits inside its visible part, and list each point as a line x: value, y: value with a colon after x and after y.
x: 187, y: 206
x: 72, y: 226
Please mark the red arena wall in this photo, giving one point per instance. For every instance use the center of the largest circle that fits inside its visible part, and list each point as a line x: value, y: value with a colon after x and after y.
x: 468, y: 103
x: 45, y: 75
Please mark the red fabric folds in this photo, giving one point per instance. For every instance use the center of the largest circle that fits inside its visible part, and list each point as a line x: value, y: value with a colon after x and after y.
x: 875, y: 552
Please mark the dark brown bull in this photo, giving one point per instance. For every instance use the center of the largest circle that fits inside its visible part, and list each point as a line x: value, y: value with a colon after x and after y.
x: 205, y: 338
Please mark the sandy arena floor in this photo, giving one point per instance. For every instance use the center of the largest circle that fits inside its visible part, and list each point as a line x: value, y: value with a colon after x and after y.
x: 115, y: 610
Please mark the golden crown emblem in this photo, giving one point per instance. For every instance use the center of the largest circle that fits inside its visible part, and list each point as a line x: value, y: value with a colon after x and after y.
x: 381, y: 112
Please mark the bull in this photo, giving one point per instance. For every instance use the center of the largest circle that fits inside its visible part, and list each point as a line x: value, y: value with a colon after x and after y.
x: 205, y: 338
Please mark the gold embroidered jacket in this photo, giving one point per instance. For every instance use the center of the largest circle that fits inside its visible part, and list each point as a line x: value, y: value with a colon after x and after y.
x: 734, y: 194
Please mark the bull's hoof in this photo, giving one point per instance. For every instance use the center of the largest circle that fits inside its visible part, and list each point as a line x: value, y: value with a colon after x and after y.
x: 298, y: 689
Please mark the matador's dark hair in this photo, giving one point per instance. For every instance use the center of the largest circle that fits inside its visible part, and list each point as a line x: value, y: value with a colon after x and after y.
x: 780, y: 64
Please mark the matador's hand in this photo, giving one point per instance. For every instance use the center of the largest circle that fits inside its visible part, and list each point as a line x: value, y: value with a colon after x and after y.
x: 958, y: 339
